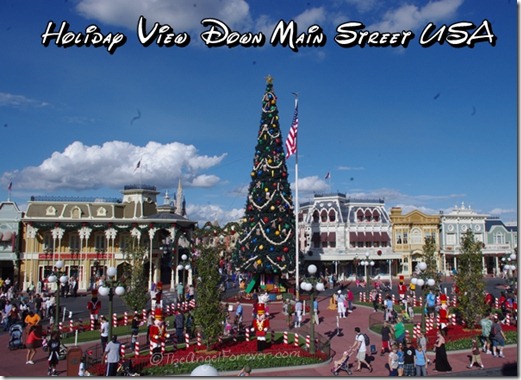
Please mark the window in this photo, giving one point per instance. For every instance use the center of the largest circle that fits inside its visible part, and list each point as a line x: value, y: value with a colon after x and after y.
x: 360, y: 215
x: 499, y: 238
x: 74, y: 242
x: 99, y: 243
x: 323, y: 216
x: 315, y: 216
x: 47, y: 242
x: 332, y: 239
x: 368, y: 216
x: 416, y: 236
x: 376, y: 216
x: 451, y: 239
x: 76, y: 213
x: 332, y: 216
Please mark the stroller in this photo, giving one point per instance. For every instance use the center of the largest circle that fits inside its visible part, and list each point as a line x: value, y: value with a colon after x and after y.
x: 343, y: 365
x: 15, y: 337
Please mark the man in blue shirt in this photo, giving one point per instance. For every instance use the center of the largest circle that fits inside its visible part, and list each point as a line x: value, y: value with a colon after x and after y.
x: 238, y: 313
x: 430, y: 302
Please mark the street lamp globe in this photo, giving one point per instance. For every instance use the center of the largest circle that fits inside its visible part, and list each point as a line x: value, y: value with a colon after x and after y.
x: 303, y: 285
x: 64, y: 279
x: 430, y: 282
x: 320, y: 287
x: 184, y: 257
x: 103, y: 291
x: 312, y: 269
x: 111, y: 271
x: 180, y: 267
x: 52, y: 278
x: 120, y: 290
x: 59, y: 264
x: 414, y: 280
x: 422, y: 266
x: 188, y: 267
x: 513, y: 256
x: 420, y: 282
x: 371, y: 263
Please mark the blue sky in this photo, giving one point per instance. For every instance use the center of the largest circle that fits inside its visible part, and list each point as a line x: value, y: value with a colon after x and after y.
x: 425, y: 128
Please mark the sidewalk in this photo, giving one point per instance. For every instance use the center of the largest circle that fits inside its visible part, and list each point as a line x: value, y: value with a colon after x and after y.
x: 13, y: 363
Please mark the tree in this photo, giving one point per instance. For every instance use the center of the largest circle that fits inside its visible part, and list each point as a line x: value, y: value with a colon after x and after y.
x: 135, y: 279
x: 267, y: 240
x: 209, y: 314
x: 429, y: 257
x: 469, y: 279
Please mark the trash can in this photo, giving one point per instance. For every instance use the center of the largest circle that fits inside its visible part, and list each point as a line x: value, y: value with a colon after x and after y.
x: 74, y: 355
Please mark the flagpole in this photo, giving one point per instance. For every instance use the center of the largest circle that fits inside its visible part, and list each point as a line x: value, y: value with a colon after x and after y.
x: 297, y: 274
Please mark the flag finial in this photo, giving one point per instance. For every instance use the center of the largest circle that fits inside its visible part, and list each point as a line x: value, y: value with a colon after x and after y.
x: 269, y: 79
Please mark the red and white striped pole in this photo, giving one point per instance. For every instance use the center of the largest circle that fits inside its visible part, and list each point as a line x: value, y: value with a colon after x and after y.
x: 394, y: 299
x: 71, y: 325
x: 163, y: 347
x: 136, y: 349
x: 60, y: 326
x: 125, y: 318
x: 114, y: 320
x: 508, y: 319
x: 308, y: 342
x: 92, y: 323
x: 285, y: 337
x: 187, y: 340
x: 122, y: 352
x: 247, y: 335
x: 416, y: 331
x: 144, y: 314
x: 199, y: 340
x: 295, y: 340
x: 453, y: 319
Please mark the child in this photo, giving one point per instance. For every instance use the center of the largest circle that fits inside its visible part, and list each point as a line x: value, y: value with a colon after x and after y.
x: 338, y: 363
x: 476, y: 355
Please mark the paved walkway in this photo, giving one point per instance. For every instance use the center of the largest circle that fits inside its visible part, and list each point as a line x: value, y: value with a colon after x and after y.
x: 13, y: 362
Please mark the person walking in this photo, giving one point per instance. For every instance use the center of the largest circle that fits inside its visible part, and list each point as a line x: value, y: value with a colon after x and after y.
x: 54, y: 353
x: 420, y: 361
x: 32, y: 342
x: 392, y: 361
x: 361, y: 348
x: 350, y: 298
x: 104, y: 332
x: 388, y: 308
x: 399, y: 331
x: 486, y: 327
x: 498, y: 338
x: 409, y: 359
x: 298, y: 313
x: 422, y: 342
x: 111, y: 356
x: 441, y: 361
x: 179, y: 322
x: 476, y: 355
x: 374, y: 299
x: 386, y: 333
x: 315, y: 312
x: 340, y: 304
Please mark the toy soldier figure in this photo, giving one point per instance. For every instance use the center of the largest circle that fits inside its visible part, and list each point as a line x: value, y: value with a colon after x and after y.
x: 158, y: 332
x: 261, y: 326
x: 94, y: 306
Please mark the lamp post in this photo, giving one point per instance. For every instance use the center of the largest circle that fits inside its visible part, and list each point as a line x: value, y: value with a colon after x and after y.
x: 367, y: 263
x: 58, y: 274
x: 311, y: 284
x: 423, y: 282
x: 509, y: 266
x: 184, y: 265
x: 109, y: 288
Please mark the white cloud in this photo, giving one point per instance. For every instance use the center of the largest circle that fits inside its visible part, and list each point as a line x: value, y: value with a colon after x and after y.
x: 181, y: 15
x: 212, y: 213
x: 113, y: 165
x: 12, y: 100
x: 502, y: 211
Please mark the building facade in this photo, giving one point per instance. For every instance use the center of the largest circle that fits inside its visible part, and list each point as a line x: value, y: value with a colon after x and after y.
x: 408, y: 237
x: 91, y: 234
x: 338, y: 233
x: 10, y: 238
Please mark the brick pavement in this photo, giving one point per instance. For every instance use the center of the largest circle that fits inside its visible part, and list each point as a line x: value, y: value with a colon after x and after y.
x: 13, y: 362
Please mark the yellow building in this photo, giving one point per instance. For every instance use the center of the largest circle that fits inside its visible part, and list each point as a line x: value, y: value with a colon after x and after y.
x: 408, y: 236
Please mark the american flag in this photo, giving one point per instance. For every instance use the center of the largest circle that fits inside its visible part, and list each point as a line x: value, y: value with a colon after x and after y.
x: 9, y: 188
x: 291, y: 141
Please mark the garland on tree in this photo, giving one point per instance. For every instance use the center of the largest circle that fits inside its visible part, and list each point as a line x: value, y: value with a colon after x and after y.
x: 267, y: 240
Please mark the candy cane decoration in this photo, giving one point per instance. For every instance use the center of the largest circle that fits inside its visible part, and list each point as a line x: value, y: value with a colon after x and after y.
x: 453, y: 319
x: 92, y: 322
x: 125, y: 318
x: 416, y: 330
x: 394, y: 299
x: 199, y: 340
x: 508, y: 319
x: 295, y: 340
x: 122, y: 352
x: 144, y: 314
x: 114, y: 320
x: 60, y: 326
x: 308, y: 342
x: 71, y: 325
x: 247, y: 335
x: 285, y: 337
x: 136, y: 349
x: 163, y: 347
x: 187, y: 340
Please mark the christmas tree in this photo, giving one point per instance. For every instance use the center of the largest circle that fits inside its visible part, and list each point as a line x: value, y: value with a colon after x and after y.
x: 267, y: 241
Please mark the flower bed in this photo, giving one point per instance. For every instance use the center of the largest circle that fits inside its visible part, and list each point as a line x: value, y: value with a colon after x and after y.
x: 226, y: 356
